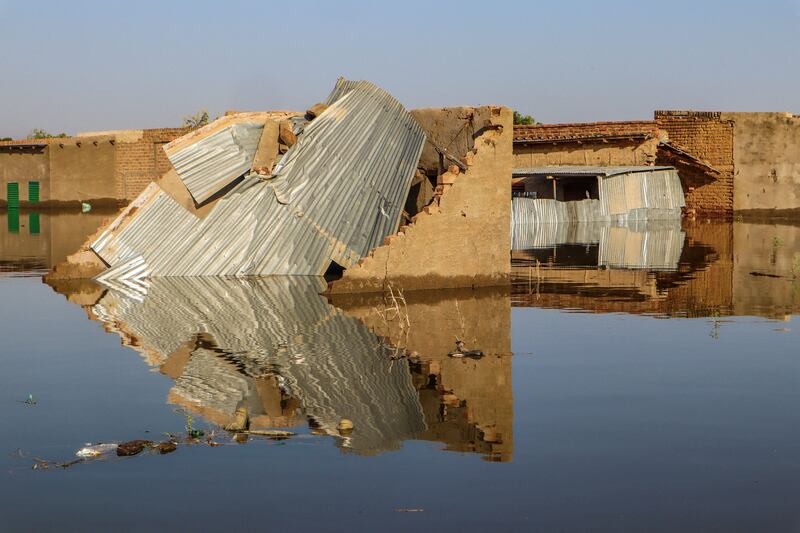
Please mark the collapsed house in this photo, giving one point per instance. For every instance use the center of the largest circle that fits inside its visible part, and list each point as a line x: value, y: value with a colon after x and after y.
x: 262, y: 194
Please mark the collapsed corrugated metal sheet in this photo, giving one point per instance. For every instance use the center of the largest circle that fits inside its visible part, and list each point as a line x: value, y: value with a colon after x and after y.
x: 237, y: 332
x: 649, y: 245
x: 336, y: 194
x: 342, y: 87
x: 214, y: 161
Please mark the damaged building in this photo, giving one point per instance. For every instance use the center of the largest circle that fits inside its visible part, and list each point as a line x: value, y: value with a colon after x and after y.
x: 338, y: 187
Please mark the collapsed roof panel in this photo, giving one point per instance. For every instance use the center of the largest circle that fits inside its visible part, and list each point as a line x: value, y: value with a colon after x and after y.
x: 337, y: 193
x: 210, y: 158
x: 211, y: 163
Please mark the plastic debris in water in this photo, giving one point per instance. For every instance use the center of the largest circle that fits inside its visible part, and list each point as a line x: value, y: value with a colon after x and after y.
x: 29, y: 400
x: 96, y: 450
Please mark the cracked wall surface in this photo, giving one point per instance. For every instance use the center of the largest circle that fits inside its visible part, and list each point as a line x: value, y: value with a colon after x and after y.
x: 462, y: 238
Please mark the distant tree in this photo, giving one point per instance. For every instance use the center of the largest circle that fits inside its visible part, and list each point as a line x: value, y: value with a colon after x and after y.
x: 43, y: 134
x: 198, y: 120
x: 6, y: 139
x: 523, y: 120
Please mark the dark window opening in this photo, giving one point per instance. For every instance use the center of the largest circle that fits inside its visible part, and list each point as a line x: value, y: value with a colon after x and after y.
x: 577, y: 188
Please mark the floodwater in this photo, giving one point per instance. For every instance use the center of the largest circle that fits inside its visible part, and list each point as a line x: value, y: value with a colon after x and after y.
x: 632, y: 380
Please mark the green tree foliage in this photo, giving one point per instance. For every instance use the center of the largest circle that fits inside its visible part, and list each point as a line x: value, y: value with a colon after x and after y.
x: 6, y: 139
x: 198, y: 120
x: 44, y: 134
x: 523, y: 120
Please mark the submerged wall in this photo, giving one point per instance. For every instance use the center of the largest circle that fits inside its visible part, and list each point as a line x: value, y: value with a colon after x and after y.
x: 462, y: 238
x: 709, y: 137
x: 82, y: 170
x: 767, y: 162
x: 101, y: 167
x: 21, y: 165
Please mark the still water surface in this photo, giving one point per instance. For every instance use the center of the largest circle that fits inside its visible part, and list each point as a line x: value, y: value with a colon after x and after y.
x: 655, y: 393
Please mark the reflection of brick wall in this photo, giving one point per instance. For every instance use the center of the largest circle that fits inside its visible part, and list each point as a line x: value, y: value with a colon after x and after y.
x: 706, y: 136
x: 702, y: 286
x: 143, y: 160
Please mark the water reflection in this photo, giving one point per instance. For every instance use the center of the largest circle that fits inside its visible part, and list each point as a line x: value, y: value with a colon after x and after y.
x: 34, y: 242
x: 701, y: 269
x: 276, y: 347
x: 293, y: 358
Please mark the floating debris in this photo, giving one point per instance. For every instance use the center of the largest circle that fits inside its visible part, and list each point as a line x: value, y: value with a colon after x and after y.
x: 96, y: 450
x: 29, y: 400
x: 460, y: 351
x: 133, y: 447
x: 166, y: 447
x: 272, y: 433
x: 345, y: 426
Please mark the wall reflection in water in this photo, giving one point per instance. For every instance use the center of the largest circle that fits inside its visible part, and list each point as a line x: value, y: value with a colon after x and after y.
x: 700, y: 269
x: 276, y: 347
x: 32, y: 241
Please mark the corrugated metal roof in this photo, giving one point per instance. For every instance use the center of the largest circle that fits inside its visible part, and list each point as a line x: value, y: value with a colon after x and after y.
x: 336, y: 194
x: 654, y: 193
x: 565, y: 170
x: 212, y: 162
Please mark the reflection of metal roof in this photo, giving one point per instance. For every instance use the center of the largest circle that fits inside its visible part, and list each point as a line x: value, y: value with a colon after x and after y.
x: 330, y: 362
x: 336, y: 194
x: 647, y: 245
x: 567, y: 171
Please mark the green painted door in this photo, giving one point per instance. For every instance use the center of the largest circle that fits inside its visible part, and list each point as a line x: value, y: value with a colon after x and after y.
x: 33, y: 191
x: 13, y: 194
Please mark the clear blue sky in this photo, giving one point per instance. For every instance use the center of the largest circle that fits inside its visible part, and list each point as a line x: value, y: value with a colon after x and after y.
x: 91, y: 65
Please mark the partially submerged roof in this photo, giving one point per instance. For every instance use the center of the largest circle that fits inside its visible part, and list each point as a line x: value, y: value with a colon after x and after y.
x: 585, y: 132
x: 577, y: 171
x: 336, y: 194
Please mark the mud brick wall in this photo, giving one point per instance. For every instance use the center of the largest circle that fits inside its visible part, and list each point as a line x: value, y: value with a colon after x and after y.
x: 462, y: 238
x: 591, y: 143
x: 707, y: 136
x: 141, y: 159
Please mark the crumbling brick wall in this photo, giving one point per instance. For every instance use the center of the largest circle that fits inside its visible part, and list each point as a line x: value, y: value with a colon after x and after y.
x: 462, y: 239
x: 141, y: 159
x: 707, y: 136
